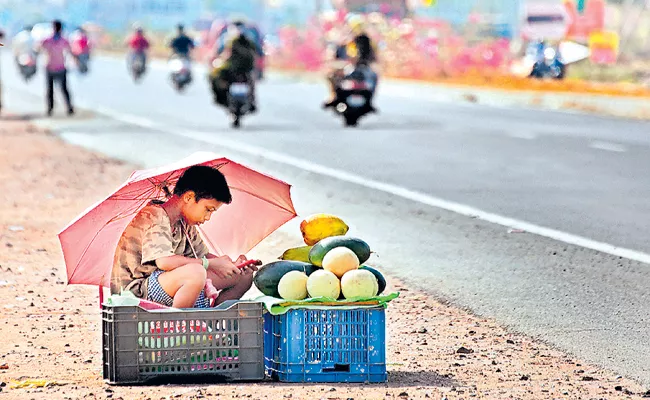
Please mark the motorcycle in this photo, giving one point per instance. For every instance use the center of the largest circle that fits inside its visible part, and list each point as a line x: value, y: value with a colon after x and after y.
x: 354, y: 93
x: 239, y: 100
x: 27, y: 65
x: 180, y: 72
x: 82, y: 60
x: 551, y: 67
x: 138, y: 66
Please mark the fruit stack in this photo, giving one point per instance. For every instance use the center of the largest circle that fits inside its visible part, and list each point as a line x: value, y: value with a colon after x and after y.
x: 330, y: 266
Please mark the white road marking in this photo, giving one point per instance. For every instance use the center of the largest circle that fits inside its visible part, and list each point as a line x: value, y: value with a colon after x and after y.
x: 522, y: 135
x: 608, y: 146
x: 210, y: 137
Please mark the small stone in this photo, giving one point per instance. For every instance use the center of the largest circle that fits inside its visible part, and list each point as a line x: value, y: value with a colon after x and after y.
x: 494, y: 362
x: 464, y: 350
x: 403, y: 394
x: 524, y: 378
x: 498, y: 370
x: 422, y: 330
x: 618, y: 388
x: 510, y: 341
x: 589, y: 378
x: 332, y: 389
x: 646, y: 395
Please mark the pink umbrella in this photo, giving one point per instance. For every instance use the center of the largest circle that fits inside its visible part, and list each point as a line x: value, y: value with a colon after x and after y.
x: 260, y: 205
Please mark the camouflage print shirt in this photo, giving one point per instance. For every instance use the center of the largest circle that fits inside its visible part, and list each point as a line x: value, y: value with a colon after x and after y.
x: 148, y: 237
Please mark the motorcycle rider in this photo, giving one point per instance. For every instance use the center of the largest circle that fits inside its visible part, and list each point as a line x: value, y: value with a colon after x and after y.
x: 360, y: 51
x: 239, y: 54
x: 139, y: 45
x: 80, y: 45
x: 23, y: 43
x: 182, y: 44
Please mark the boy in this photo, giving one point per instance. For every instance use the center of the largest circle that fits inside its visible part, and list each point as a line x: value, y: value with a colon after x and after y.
x: 161, y: 257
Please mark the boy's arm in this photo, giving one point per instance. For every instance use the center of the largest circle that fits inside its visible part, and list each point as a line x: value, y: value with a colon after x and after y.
x: 170, y: 263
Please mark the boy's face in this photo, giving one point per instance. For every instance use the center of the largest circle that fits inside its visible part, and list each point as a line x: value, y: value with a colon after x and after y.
x: 198, y: 212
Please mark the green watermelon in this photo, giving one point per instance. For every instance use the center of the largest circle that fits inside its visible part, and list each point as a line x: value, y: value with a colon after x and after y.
x: 358, y: 246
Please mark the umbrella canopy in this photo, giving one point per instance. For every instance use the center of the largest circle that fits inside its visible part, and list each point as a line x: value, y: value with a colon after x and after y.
x: 260, y: 205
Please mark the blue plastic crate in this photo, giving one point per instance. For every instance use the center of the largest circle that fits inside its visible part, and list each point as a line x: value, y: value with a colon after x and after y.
x: 326, y: 345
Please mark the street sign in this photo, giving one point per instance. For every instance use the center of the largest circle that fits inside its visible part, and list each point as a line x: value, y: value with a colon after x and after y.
x: 545, y: 21
x: 603, y: 47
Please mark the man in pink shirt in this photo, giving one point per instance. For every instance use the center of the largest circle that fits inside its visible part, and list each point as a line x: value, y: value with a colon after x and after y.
x: 55, y: 49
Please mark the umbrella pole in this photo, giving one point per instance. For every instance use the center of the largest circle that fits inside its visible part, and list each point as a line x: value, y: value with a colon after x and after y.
x: 101, y: 296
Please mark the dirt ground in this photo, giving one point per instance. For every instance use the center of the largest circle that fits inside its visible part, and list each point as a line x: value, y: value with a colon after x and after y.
x: 52, y: 331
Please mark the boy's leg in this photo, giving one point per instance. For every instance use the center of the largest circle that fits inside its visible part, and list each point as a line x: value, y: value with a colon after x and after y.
x: 184, y: 284
x: 233, y: 288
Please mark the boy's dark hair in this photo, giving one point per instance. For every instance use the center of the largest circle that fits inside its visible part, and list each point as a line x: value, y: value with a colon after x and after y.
x: 205, y: 182
x: 58, y: 26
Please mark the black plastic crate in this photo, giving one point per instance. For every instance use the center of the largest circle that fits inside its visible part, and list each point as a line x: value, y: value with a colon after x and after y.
x: 220, y: 343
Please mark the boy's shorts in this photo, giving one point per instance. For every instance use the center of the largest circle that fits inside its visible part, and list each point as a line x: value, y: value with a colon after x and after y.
x: 157, y: 293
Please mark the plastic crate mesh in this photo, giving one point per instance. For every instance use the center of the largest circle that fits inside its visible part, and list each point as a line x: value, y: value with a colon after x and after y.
x: 187, y: 345
x: 333, y: 337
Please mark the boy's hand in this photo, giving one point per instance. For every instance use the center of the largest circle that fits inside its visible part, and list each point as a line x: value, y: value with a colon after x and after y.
x: 241, y: 259
x: 248, y: 270
x: 223, y: 267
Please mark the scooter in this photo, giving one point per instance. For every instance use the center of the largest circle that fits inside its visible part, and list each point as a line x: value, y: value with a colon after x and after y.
x: 354, y: 94
x: 180, y: 71
x: 240, y: 100
x: 551, y: 67
x: 138, y: 66
x: 27, y: 65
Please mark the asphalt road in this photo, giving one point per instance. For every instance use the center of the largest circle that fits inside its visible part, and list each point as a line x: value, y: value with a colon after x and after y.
x: 583, y: 175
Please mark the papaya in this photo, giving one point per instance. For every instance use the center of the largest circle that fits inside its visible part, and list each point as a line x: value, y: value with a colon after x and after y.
x: 381, y: 281
x: 358, y: 246
x: 320, y: 226
x: 297, y: 254
x: 268, y: 277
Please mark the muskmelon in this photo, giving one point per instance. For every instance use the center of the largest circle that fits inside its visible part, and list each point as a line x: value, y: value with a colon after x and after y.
x: 359, y: 283
x: 381, y: 281
x: 293, y: 286
x: 340, y: 260
x: 268, y: 277
x: 323, y: 284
